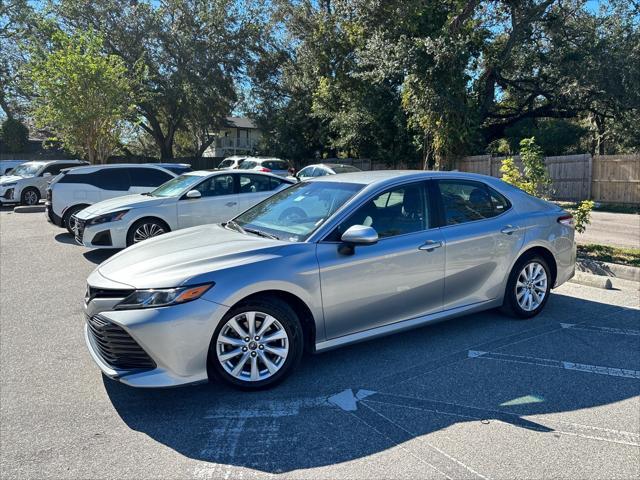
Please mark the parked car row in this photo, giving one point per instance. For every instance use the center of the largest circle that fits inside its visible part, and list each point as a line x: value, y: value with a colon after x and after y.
x: 323, y: 263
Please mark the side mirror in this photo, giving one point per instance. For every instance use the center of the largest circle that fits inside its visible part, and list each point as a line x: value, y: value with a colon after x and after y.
x: 193, y: 194
x: 46, y: 174
x: 357, y: 235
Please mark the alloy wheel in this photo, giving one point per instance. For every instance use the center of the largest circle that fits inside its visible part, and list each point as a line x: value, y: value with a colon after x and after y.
x: 252, y: 346
x: 30, y: 197
x: 147, y: 230
x: 531, y: 286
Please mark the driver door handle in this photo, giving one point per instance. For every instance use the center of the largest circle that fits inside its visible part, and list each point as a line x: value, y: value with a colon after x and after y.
x: 430, y: 245
x: 509, y: 229
x: 230, y: 204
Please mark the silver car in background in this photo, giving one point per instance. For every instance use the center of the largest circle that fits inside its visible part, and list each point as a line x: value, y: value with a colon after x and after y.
x: 324, y: 263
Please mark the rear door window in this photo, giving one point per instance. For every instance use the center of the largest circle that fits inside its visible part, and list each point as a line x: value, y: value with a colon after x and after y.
x: 467, y: 201
x: 255, y: 183
x: 112, y: 179
x: 148, y: 177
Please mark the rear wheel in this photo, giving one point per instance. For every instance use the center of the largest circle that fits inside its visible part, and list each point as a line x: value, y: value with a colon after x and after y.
x: 256, y: 345
x: 30, y: 196
x: 528, y: 287
x: 69, y: 222
x: 144, y: 229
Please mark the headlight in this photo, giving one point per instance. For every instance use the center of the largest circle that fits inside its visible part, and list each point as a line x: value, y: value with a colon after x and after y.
x: 163, y: 297
x: 107, y: 217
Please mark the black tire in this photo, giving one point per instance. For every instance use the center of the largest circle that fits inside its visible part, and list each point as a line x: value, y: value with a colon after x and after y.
x: 288, y: 319
x: 510, y: 305
x: 30, y: 196
x: 67, y: 217
x: 151, y: 222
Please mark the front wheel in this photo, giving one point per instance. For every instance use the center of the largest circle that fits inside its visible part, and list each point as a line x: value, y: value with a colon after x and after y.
x: 144, y: 229
x: 528, y: 288
x: 256, y: 345
x: 30, y: 196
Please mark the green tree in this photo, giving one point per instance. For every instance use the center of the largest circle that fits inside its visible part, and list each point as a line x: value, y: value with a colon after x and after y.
x: 193, y: 52
x: 14, y: 135
x: 81, y: 94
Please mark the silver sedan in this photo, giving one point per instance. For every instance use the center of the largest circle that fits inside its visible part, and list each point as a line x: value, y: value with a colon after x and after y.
x: 324, y: 263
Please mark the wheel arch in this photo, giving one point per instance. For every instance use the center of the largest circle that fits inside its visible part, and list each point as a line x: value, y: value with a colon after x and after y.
x: 298, y: 305
x: 546, y: 254
x: 149, y: 217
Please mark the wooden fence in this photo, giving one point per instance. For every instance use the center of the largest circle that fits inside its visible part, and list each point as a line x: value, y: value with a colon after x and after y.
x: 607, y: 178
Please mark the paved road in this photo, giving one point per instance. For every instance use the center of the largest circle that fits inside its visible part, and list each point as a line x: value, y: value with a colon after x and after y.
x: 478, y: 397
x: 616, y: 229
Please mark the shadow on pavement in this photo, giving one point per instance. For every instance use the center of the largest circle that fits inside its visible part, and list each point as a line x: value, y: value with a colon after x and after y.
x: 363, y: 399
x: 66, y: 237
x: 100, y: 255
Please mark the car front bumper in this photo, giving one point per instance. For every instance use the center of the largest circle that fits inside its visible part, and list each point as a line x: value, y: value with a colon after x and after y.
x: 7, y: 195
x: 175, y: 338
x: 104, y: 235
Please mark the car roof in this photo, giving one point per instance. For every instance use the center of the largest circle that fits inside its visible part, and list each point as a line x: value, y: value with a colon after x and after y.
x: 265, y: 159
x: 93, y: 168
x: 389, y: 176
x: 52, y: 162
x: 205, y: 173
x: 161, y: 164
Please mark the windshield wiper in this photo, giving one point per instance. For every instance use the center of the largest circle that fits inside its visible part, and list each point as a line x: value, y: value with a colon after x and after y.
x: 147, y: 194
x: 234, y: 226
x: 261, y: 233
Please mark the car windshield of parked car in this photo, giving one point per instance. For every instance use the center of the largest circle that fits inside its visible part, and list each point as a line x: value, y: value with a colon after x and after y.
x: 26, y: 170
x: 247, y: 165
x: 226, y: 163
x: 295, y: 213
x: 176, y: 186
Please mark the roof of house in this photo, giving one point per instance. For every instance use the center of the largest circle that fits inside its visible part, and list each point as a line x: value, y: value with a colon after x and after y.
x: 241, y: 122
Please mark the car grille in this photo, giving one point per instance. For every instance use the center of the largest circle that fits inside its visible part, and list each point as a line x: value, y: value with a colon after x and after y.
x: 116, y: 347
x: 93, y: 292
x: 79, y: 229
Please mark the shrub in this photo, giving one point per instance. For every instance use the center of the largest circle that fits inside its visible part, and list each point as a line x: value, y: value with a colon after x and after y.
x: 14, y: 135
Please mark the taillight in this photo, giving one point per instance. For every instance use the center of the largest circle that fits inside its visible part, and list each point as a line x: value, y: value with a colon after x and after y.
x: 566, y: 220
x: 264, y: 169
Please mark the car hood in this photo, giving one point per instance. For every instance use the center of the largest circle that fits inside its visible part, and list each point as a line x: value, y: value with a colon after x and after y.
x: 120, y: 203
x: 176, y: 258
x: 10, y: 179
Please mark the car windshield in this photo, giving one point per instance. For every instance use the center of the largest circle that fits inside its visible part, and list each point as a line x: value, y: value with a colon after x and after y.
x: 295, y: 213
x: 26, y: 169
x: 247, y: 165
x: 226, y: 163
x: 176, y: 186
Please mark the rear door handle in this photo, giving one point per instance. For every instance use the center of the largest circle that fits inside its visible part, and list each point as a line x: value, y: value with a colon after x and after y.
x: 230, y: 204
x: 430, y: 245
x: 509, y: 229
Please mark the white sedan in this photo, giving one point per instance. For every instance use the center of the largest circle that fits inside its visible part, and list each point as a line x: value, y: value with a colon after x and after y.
x: 195, y: 198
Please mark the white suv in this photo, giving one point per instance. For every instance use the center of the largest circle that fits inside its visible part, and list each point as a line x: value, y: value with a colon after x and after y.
x: 195, y: 198
x: 76, y: 189
x: 27, y: 183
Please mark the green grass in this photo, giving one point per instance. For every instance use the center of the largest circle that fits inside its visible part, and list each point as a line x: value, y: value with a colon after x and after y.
x: 606, y: 253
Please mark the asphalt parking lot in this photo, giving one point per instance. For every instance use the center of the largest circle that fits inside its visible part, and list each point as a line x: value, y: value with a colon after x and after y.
x: 482, y: 396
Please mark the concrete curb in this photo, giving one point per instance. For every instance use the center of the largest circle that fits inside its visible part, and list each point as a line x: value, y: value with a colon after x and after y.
x: 590, y: 280
x: 29, y: 209
x: 607, y: 269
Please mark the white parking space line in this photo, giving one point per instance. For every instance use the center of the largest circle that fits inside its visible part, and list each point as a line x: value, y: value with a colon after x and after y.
x: 594, y: 328
x: 540, y: 423
x: 546, y: 362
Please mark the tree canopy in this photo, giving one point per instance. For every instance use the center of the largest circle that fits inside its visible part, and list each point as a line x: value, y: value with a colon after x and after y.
x: 403, y: 81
